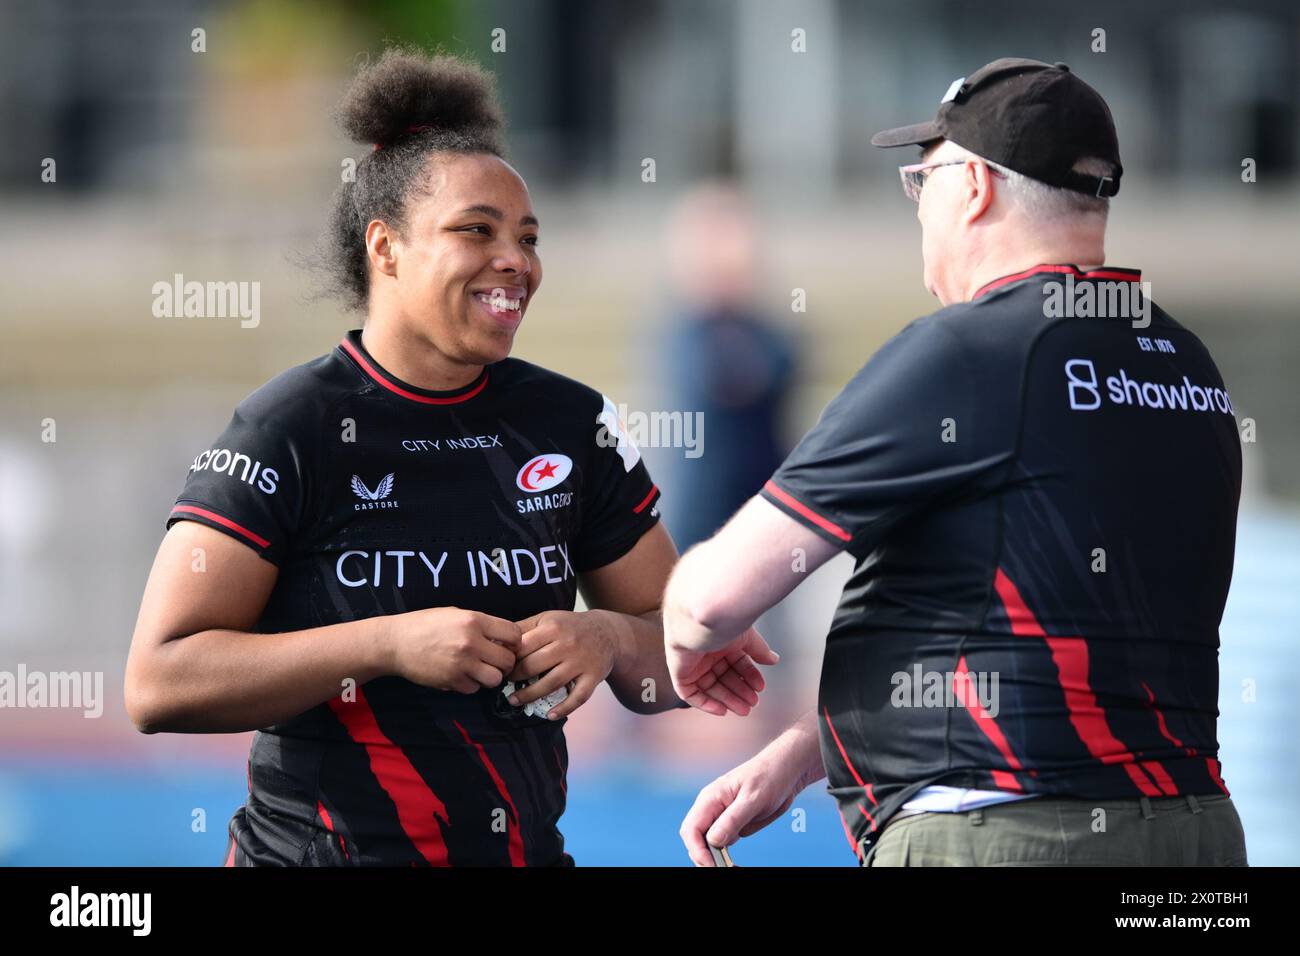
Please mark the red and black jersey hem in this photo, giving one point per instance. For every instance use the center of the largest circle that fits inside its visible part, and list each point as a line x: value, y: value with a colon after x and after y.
x: 1110, y: 273
x: 352, y: 348
x: 188, y: 510
x: 808, y: 516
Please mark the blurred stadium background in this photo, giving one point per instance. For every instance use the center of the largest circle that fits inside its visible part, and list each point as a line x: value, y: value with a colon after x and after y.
x: 219, y: 165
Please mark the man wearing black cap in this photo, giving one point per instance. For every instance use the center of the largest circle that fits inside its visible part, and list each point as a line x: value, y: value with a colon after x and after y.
x: 1039, y: 484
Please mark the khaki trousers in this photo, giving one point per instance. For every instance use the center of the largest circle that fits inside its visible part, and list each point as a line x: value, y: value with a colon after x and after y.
x: 1049, y: 831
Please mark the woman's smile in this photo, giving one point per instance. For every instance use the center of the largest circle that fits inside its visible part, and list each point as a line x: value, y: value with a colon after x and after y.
x: 504, y: 305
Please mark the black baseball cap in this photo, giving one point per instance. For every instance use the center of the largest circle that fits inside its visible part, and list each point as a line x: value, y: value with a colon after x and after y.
x: 1036, y: 118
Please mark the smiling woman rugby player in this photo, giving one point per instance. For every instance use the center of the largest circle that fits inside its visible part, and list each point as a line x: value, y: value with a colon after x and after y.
x: 391, y: 532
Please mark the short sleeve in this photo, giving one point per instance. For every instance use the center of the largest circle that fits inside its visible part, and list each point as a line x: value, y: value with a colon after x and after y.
x: 248, y: 484
x: 621, y: 503
x: 911, y: 426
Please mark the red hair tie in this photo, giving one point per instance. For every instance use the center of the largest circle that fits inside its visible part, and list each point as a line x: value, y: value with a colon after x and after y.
x: 409, y: 129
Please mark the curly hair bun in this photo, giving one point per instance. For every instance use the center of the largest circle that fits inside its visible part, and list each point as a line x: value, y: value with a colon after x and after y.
x: 410, y: 106
x: 406, y: 91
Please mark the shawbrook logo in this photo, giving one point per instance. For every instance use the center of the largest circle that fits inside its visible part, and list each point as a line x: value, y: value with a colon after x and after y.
x: 373, y: 499
x: 75, y: 908
x: 1086, y: 391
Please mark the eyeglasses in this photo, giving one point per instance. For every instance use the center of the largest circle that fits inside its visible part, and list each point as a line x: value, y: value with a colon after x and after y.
x: 915, y: 175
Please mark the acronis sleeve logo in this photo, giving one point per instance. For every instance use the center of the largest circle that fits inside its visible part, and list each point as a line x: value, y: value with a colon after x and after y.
x: 238, y: 465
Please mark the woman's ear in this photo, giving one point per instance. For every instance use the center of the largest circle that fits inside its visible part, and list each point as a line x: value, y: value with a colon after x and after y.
x: 381, y: 247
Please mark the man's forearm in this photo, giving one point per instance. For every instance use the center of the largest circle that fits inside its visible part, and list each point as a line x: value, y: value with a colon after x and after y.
x: 693, y: 617
x: 639, y: 657
x: 798, y: 749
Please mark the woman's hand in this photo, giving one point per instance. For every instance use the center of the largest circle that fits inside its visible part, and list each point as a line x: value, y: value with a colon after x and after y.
x: 576, y: 649
x: 449, y: 648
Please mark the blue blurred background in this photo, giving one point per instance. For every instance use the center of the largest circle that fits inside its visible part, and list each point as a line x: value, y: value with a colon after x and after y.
x: 218, y: 163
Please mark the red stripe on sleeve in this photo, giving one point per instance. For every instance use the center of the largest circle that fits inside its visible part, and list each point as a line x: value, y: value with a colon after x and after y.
x: 646, y: 500
x: 792, y: 502
x: 225, y: 523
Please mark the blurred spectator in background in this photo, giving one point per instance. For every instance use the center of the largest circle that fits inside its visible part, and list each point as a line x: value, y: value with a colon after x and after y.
x: 732, y: 364
x: 727, y: 360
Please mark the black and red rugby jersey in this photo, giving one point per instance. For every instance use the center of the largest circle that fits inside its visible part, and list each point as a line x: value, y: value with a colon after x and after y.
x: 373, y: 496
x: 1042, y: 504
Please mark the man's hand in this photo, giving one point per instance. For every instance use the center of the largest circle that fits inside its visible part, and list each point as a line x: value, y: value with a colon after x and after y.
x: 741, y: 802
x: 721, y: 680
x: 577, y: 649
x: 719, y: 589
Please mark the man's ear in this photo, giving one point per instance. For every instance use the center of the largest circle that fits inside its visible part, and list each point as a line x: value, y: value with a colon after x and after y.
x: 977, y: 190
